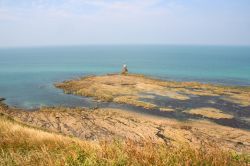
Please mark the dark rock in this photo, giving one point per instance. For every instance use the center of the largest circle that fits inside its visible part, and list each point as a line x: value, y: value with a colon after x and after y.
x: 2, y: 99
x: 240, y: 143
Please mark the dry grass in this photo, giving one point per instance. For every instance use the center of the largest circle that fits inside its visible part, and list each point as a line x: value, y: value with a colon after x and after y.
x: 22, y: 145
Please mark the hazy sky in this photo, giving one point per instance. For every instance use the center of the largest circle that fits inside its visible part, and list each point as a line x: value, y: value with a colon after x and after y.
x: 70, y: 22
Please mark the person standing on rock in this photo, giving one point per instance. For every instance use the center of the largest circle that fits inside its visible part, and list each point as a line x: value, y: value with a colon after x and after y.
x: 124, y: 69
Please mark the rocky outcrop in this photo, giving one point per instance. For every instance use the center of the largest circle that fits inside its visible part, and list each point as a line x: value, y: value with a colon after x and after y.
x: 99, y: 124
x: 190, y: 100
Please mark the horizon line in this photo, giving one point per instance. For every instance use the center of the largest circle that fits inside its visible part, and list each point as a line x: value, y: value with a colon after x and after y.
x: 123, y: 44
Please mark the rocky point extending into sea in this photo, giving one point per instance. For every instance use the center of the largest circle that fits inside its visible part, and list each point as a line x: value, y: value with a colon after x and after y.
x: 183, y: 112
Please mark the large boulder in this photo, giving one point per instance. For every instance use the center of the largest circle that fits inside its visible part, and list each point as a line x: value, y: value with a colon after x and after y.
x: 2, y: 99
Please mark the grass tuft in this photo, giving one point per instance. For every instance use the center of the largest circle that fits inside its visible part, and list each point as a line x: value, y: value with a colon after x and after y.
x: 22, y: 145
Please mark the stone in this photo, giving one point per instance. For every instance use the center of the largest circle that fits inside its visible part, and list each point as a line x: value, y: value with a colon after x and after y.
x: 124, y: 69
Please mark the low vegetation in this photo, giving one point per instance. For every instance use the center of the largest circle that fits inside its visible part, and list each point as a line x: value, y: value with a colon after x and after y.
x: 82, y: 136
x: 23, y: 145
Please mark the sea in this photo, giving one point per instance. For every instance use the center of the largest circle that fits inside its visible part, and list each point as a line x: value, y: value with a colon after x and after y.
x: 28, y: 74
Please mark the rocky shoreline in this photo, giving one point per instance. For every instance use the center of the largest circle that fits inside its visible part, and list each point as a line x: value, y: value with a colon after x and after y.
x: 105, y: 124
x: 229, y: 106
x: 202, y: 118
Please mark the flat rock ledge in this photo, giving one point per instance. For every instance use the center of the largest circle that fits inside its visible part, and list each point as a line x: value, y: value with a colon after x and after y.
x: 99, y: 124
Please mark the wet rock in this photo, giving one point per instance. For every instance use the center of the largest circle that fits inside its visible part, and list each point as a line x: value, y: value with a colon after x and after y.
x: 2, y: 99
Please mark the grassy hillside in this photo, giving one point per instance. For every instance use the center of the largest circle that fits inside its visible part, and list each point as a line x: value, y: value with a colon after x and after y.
x: 23, y: 145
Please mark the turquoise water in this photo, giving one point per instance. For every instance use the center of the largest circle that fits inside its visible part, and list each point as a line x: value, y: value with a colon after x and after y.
x: 27, y: 74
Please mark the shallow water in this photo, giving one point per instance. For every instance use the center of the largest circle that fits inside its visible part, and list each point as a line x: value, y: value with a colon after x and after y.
x: 27, y: 75
x: 237, y: 111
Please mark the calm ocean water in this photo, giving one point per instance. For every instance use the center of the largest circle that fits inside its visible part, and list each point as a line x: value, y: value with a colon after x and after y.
x: 27, y: 74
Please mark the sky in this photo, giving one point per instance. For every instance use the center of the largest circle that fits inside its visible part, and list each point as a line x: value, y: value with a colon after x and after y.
x: 83, y: 22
